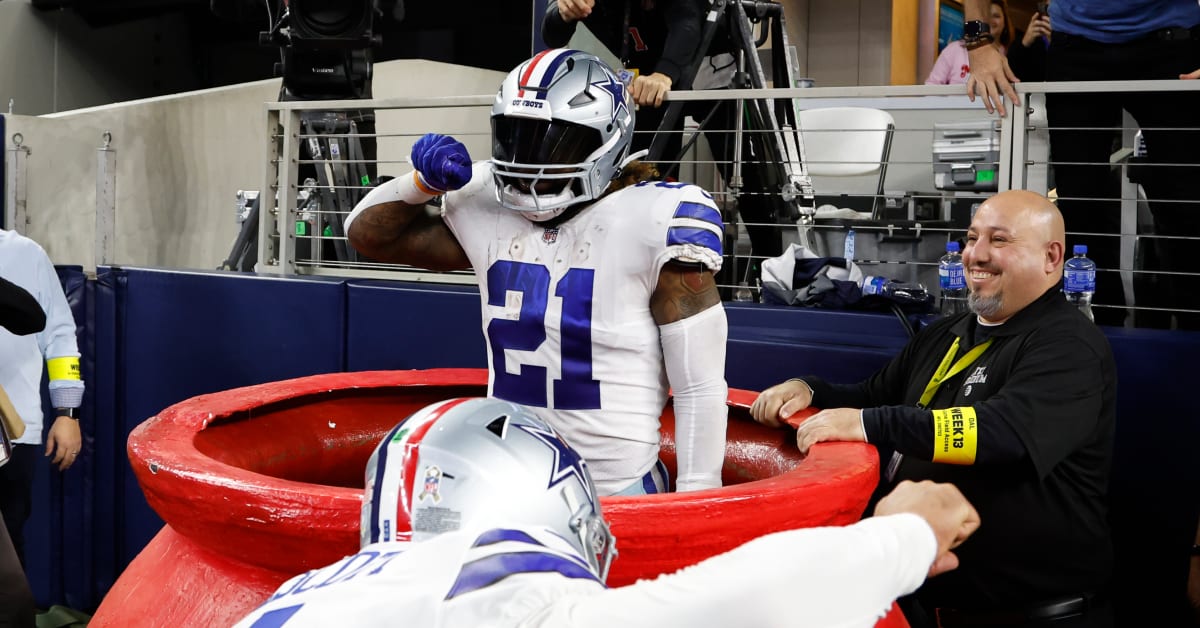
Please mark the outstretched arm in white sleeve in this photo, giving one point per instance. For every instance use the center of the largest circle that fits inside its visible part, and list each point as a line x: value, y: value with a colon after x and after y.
x: 811, y: 578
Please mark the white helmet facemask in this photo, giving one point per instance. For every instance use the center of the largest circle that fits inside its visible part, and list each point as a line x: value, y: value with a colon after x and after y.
x: 516, y: 191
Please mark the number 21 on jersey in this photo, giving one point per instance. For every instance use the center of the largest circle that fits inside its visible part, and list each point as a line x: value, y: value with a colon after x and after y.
x: 575, y: 389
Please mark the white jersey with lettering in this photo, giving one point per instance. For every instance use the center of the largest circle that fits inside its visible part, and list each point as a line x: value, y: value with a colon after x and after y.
x: 566, y: 310
x: 459, y: 578
x: 529, y: 577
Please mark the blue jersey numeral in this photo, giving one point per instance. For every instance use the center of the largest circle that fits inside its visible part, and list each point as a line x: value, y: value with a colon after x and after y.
x: 277, y: 617
x: 576, y: 389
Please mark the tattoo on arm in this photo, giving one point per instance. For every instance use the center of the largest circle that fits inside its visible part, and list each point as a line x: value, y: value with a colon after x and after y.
x: 684, y: 289
x: 406, y: 234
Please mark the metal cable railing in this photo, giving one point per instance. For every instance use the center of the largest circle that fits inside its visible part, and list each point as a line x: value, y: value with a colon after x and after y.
x: 899, y: 226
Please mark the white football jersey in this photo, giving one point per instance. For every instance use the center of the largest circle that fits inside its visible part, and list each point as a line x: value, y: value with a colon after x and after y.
x: 529, y: 577
x: 566, y: 310
x: 458, y: 579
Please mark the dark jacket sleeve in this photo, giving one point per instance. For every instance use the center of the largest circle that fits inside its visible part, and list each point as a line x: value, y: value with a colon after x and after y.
x: 20, y: 313
x: 892, y: 422
x: 887, y: 387
x: 1053, y: 398
x: 1029, y: 64
x: 556, y: 31
x: 1047, y: 407
x: 909, y: 430
x: 684, y: 21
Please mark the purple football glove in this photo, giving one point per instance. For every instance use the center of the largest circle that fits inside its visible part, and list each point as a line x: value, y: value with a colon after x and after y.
x: 442, y: 161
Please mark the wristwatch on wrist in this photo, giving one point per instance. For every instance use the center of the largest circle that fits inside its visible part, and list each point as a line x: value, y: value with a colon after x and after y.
x: 975, y: 28
x: 976, y: 33
x: 70, y: 412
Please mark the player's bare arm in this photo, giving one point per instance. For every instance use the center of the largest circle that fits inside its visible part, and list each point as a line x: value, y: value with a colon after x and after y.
x: 401, y: 233
x: 393, y: 222
x: 684, y: 289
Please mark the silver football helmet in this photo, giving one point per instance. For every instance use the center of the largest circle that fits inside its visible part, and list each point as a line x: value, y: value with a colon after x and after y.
x: 561, y: 127
x: 468, y: 462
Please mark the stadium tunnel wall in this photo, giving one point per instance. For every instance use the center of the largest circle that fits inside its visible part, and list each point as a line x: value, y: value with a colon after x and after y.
x: 151, y: 338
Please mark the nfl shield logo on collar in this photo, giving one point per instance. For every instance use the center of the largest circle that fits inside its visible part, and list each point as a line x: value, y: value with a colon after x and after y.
x: 550, y: 236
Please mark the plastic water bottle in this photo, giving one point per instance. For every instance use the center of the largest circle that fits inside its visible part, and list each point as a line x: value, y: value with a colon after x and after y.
x: 952, y: 281
x: 899, y: 291
x: 1079, y: 280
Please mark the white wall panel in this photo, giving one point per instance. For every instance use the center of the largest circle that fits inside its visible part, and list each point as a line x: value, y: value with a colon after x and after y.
x: 181, y: 159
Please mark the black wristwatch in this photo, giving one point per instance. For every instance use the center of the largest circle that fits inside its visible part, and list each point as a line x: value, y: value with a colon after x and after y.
x: 71, y: 412
x: 976, y: 33
x: 974, y: 29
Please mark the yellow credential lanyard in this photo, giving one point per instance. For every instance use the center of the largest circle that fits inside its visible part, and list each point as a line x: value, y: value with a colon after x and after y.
x: 945, y: 371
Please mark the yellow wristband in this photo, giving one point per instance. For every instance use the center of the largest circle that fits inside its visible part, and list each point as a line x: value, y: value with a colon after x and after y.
x: 955, y: 435
x: 63, y: 368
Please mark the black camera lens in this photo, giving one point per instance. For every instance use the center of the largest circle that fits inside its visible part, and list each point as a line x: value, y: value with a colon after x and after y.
x: 331, y: 18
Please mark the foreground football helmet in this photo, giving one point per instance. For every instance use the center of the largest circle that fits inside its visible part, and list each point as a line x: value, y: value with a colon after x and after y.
x: 561, y: 127
x: 467, y: 462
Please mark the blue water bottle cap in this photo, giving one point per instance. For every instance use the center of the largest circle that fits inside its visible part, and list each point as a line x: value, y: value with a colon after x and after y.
x: 952, y: 246
x: 1080, y: 249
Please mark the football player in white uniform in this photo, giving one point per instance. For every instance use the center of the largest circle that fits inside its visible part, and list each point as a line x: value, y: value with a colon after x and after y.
x: 507, y: 531
x: 597, y: 285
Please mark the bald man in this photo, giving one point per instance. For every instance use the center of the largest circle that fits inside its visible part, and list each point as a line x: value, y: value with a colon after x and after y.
x: 1014, y: 403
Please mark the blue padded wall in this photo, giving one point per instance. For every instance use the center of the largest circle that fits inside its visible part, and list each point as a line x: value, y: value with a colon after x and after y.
x: 60, y: 534
x: 1155, y: 489
x: 408, y: 325
x: 186, y: 334
x: 768, y: 344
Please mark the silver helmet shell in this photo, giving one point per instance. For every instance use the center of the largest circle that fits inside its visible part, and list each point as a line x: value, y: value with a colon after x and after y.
x: 477, y: 462
x: 561, y: 128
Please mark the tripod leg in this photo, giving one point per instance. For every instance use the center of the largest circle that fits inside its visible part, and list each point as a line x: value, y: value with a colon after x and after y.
x: 765, y: 169
x: 341, y: 184
x: 675, y: 109
x: 361, y: 177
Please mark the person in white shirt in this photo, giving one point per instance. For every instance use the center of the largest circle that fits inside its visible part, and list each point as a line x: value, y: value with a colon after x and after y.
x: 507, y: 531
x: 596, y: 284
x: 20, y: 314
x: 25, y: 263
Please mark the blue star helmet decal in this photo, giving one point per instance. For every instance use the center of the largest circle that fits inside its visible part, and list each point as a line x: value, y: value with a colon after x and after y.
x: 566, y: 461
x: 616, y: 89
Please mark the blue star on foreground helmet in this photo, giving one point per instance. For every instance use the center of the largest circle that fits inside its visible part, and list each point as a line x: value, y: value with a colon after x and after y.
x: 567, y: 463
x: 615, y: 89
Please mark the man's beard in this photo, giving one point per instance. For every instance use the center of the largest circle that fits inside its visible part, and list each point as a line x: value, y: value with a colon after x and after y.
x: 986, y: 307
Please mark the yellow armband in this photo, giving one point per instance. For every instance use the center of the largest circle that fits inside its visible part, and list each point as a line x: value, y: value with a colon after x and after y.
x: 955, y: 435
x: 63, y: 368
